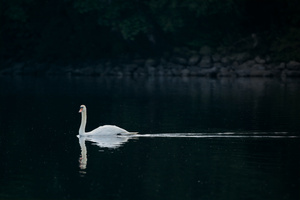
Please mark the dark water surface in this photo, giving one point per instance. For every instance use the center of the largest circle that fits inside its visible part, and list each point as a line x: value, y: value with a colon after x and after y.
x: 201, y: 139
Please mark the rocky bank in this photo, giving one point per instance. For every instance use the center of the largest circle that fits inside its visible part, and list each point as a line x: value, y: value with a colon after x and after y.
x: 181, y: 62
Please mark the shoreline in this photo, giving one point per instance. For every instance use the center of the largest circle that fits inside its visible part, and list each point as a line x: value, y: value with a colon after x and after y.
x: 178, y: 64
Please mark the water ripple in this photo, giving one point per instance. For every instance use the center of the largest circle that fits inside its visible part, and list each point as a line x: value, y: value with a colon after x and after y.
x: 224, y: 135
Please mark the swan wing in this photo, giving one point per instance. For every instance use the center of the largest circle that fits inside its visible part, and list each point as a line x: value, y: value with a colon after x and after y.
x: 108, y: 130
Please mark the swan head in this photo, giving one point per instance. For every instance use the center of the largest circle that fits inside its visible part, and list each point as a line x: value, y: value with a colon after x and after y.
x: 82, y: 109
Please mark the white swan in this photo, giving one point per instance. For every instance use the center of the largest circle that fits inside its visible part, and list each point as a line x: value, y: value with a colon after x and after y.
x: 101, y: 130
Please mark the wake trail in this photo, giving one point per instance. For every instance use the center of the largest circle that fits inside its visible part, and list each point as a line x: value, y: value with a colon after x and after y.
x: 222, y: 135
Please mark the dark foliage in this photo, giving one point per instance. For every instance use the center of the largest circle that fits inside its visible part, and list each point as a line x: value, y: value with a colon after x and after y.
x: 64, y: 30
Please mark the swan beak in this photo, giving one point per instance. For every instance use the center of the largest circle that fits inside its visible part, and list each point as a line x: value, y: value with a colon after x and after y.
x: 80, y: 110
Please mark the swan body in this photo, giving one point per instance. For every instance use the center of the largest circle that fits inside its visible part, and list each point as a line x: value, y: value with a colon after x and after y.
x: 101, y: 130
x: 107, y: 130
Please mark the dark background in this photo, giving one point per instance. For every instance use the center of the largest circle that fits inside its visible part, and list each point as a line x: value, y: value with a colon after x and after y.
x: 84, y: 30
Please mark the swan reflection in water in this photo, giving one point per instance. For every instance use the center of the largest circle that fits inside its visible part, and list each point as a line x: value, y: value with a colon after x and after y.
x: 108, y: 141
x: 107, y: 136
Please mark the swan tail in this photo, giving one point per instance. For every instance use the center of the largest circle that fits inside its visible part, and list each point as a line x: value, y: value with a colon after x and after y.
x: 133, y: 133
x: 127, y: 133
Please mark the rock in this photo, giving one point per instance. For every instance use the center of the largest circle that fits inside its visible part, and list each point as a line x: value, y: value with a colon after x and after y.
x: 194, y: 60
x: 176, y: 72
x: 150, y: 62
x: 244, y: 69
x: 168, y: 73
x: 119, y: 74
x: 108, y: 64
x: 216, y: 57
x: 218, y: 65
x: 163, y: 61
x: 160, y: 72
x: 18, y: 68
x: 235, y: 65
x: 54, y: 70
x: 194, y: 71
x: 99, y: 69
x: 127, y: 73
x: 185, y: 72
x: 258, y: 67
x: 161, y: 67
x: 66, y: 69
x: 268, y: 59
x: 131, y: 67
x: 259, y: 72
x: 29, y: 70
x: 182, y: 61
x: 6, y: 71
x: 231, y: 57
x: 141, y: 71
x: 225, y: 72
x: 205, y: 62
x: 209, y: 72
x: 241, y: 57
x: 205, y: 50
x: 76, y: 72
x: 170, y: 66
x: 291, y: 73
x: 151, y: 70
x: 293, y: 65
x: 114, y: 71
x: 281, y: 66
x: 259, y: 60
x: 275, y: 72
x: 225, y: 60
x: 246, y: 65
x: 179, y: 60
x: 242, y: 72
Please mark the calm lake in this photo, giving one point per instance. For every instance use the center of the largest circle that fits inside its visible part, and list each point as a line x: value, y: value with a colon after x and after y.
x: 199, y: 138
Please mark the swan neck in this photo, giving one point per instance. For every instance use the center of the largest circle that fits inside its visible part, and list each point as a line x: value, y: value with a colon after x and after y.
x: 83, y: 123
